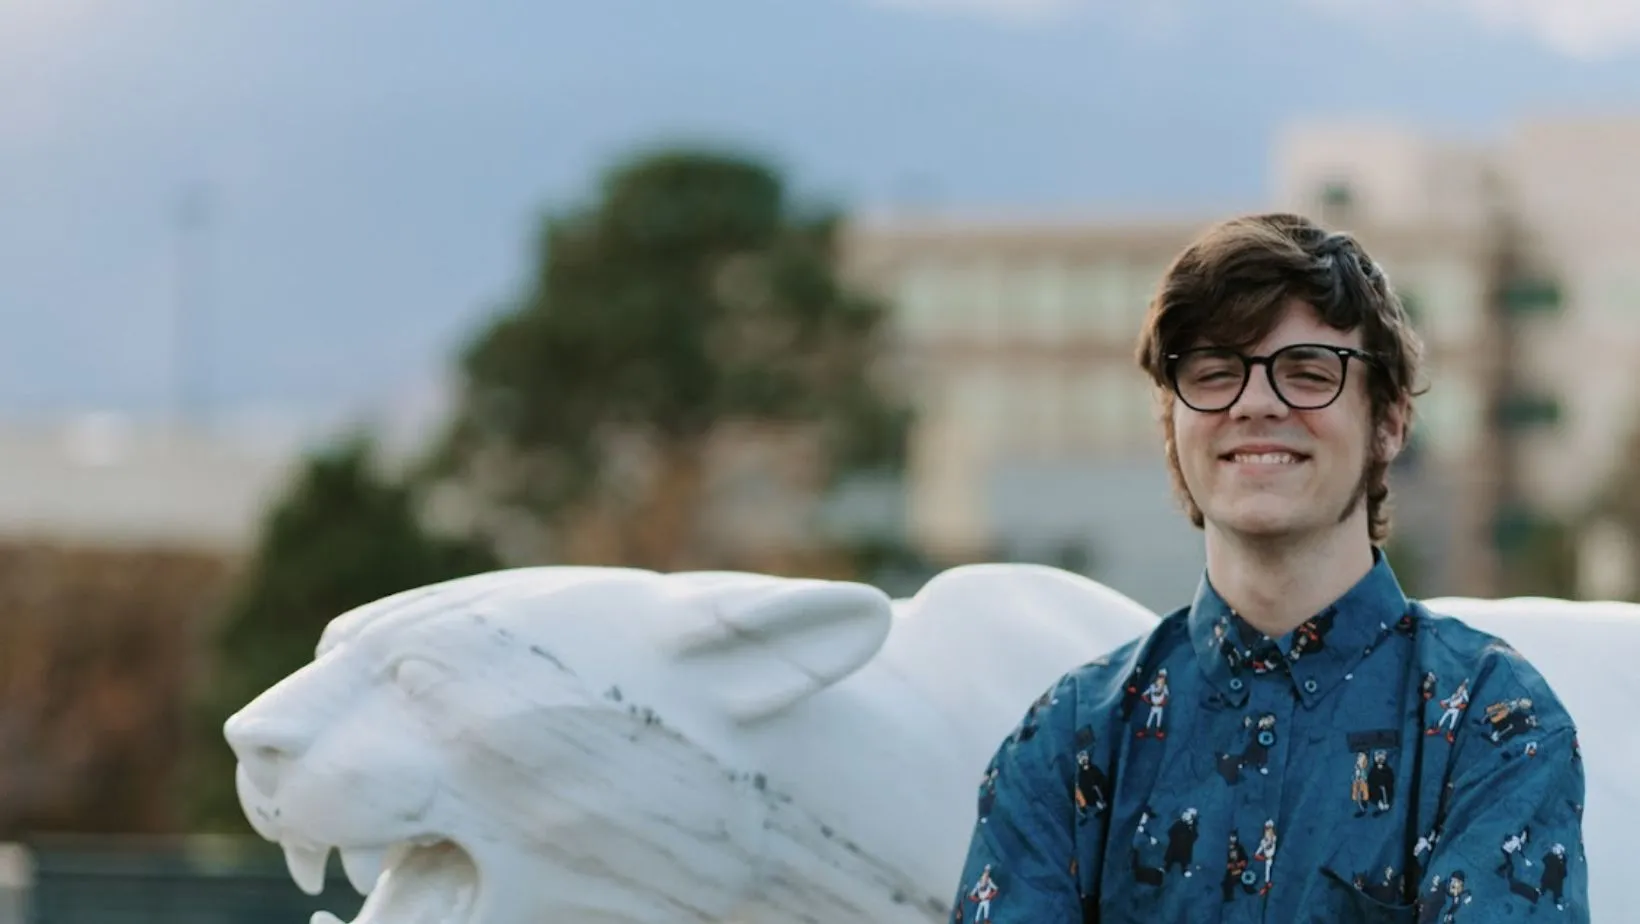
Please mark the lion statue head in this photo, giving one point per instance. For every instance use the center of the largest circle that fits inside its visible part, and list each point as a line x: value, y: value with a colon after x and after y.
x: 561, y: 739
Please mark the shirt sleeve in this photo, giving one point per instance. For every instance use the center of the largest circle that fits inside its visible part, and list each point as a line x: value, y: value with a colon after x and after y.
x: 1021, y: 862
x: 1511, y: 843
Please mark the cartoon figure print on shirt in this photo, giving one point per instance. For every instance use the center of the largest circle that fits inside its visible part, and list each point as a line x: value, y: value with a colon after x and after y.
x: 1514, y: 846
x: 1381, y: 783
x: 1452, y: 709
x: 1132, y: 690
x: 1255, y: 755
x: 1266, y: 854
x: 1360, y: 793
x: 1156, y: 697
x: 1553, y: 880
x: 1441, y: 903
x: 987, y: 794
x: 1551, y: 873
x: 1091, y: 787
x: 1147, y: 866
x: 1028, y: 725
x: 1227, y: 647
x: 1386, y: 888
x: 1181, y: 843
x: 1152, y: 860
x: 1508, y: 719
x: 1311, y: 636
x: 982, y: 894
x: 1265, y: 658
x: 1421, y: 850
x: 1426, y: 843
x: 1236, y: 872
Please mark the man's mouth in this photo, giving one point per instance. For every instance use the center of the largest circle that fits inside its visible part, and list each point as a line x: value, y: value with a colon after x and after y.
x: 1264, y: 458
x: 429, y: 880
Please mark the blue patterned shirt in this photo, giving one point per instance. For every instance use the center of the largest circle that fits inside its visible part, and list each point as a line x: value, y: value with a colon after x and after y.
x: 1379, y: 763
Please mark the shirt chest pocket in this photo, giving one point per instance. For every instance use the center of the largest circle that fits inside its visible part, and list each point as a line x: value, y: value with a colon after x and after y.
x: 1362, y: 881
x: 1361, y: 901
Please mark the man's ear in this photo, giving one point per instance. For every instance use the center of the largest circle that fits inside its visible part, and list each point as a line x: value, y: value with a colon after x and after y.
x: 1395, y: 430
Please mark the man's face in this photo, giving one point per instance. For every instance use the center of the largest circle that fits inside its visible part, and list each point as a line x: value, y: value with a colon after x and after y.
x: 1263, y: 470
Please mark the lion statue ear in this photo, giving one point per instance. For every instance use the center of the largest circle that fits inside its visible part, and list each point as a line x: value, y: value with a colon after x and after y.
x: 765, y: 644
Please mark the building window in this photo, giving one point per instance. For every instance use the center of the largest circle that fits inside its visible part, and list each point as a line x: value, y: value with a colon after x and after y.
x: 917, y: 303
x: 1098, y: 297
x: 1526, y: 410
x: 986, y: 300
x: 1529, y: 295
x: 1142, y: 284
x: 1450, y: 416
x: 1039, y: 300
x: 1335, y: 200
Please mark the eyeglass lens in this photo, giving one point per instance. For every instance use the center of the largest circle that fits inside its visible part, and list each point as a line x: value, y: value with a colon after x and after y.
x: 1305, y: 377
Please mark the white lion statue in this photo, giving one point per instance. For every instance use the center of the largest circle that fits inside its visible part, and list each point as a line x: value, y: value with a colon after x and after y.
x: 614, y: 745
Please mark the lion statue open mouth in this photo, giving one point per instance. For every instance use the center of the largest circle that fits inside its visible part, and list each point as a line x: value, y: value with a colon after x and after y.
x: 612, y: 745
x: 604, y: 744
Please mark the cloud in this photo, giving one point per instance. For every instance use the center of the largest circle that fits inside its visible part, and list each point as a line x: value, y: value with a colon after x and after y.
x: 1582, y: 28
x: 1013, y: 12
x: 1576, y: 28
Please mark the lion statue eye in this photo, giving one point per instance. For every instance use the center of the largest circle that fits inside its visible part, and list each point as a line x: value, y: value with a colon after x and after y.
x: 415, y: 676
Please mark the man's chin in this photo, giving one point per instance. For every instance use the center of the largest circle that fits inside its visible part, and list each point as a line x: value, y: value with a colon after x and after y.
x: 1265, y: 520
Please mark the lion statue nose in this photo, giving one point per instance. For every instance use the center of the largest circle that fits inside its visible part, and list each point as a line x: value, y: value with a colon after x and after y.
x: 264, y: 745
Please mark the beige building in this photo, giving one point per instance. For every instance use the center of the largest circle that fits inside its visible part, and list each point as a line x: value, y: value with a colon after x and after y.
x: 1018, y: 340
x: 1018, y: 344
x: 107, y: 480
x: 1569, y: 183
x: 1514, y: 253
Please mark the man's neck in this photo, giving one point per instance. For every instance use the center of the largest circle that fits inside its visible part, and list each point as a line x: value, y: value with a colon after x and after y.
x: 1277, y: 586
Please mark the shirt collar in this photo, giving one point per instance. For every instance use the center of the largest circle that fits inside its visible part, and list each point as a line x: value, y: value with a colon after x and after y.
x: 1316, y: 656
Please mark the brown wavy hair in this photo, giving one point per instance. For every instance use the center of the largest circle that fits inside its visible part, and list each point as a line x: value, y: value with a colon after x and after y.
x: 1229, y: 287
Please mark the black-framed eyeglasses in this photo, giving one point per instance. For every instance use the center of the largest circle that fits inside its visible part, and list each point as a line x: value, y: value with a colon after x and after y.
x: 1305, y: 376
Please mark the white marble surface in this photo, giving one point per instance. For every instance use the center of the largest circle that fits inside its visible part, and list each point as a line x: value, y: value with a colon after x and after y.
x: 609, y: 745
x: 1590, y: 654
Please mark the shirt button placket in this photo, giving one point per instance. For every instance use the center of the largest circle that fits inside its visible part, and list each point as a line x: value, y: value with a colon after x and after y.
x: 1270, y: 713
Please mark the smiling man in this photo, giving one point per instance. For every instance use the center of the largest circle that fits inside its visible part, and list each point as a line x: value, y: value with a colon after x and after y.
x: 1301, y: 742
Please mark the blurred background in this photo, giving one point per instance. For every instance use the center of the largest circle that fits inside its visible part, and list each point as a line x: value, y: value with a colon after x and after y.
x: 306, y: 303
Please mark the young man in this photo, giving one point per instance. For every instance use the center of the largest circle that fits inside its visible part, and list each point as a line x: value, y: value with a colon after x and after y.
x: 1322, y: 748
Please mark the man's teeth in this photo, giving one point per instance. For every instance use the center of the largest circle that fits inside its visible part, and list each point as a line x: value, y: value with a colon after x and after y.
x: 307, y: 867
x: 1265, y: 458
x: 363, y: 867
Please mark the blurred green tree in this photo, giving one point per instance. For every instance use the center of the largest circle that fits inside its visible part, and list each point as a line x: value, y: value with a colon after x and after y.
x: 1614, y: 508
x: 689, y: 317
x: 344, y: 533
x: 1545, y: 562
x: 1407, y: 556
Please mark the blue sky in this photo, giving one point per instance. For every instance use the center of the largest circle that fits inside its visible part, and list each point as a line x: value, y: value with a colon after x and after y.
x: 375, y: 168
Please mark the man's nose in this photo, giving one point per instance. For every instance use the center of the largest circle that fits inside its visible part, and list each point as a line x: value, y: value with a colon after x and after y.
x: 1258, y: 399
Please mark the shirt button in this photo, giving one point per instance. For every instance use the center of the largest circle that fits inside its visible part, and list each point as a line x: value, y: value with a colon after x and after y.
x: 1310, y: 686
x: 1235, y: 683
